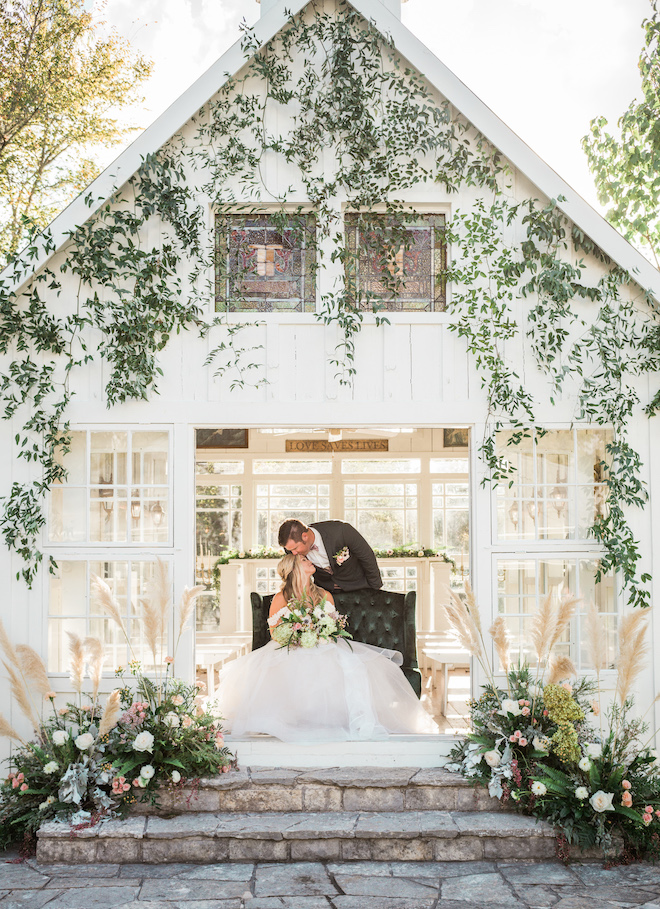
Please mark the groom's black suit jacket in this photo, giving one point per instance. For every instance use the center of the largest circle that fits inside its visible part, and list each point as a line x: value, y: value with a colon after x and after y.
x: 359, y: 570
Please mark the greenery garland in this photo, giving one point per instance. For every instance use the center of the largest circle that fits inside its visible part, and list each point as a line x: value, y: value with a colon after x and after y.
x: 357, y: 104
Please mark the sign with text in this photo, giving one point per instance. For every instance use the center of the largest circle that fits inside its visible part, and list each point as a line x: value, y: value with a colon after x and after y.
x: 305, y: 446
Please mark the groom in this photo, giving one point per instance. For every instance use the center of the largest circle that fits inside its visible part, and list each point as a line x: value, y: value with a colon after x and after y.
x: 343, y: 558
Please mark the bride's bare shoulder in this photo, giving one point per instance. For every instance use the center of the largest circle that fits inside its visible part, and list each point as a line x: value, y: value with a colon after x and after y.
x: 277, y: 603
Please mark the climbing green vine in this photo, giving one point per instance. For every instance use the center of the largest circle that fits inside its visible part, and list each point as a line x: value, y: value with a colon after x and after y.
x: 329, y: 103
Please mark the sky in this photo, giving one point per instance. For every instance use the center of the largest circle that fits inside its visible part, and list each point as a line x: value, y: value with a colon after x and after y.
x: 545, y: 67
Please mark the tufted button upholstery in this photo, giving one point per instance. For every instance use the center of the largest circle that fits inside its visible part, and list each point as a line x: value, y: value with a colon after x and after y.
x: 379, y: 617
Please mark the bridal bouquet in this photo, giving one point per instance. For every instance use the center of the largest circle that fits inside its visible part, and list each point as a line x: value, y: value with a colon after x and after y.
x: 301, y: 624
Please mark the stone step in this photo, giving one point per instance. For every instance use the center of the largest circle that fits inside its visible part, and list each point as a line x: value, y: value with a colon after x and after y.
x: 420, y: 836
x: 395, y: 751
x: 336, y: 789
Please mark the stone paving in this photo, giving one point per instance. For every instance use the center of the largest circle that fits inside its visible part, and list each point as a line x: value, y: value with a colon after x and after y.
x: 328, y: 885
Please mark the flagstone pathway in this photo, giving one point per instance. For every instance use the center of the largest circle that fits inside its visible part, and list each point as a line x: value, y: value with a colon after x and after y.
x: 329, y: 885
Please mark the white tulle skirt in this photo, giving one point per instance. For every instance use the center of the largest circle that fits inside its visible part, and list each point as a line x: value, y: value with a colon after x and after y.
x: 330, y: 693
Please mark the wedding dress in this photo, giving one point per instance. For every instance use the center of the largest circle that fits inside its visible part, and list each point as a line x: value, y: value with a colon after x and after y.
x: 329, y: 693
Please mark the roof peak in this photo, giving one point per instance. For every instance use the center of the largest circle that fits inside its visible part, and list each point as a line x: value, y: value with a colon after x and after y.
x: 393, y: 6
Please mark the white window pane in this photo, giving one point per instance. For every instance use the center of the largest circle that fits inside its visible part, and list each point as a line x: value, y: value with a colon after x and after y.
x: 108, y: 458
x: 68, y: 589
x: 381, y: 465
x: 292, y: 466
x: 75, y: 460
x: 150, y: 457
x: 67, y: 515
x: 58, y: 641
x: 449, y: 465
x: 219, y: 467
x: 149, y: 515
x: 108, y: 515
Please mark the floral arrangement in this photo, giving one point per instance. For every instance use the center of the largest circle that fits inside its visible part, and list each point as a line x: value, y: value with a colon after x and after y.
x: 89, y: 761
x: 342, y: 556
x: 258, y: 552
x: 302, y: 624
x: 542, y: 744
x: 409, y: 551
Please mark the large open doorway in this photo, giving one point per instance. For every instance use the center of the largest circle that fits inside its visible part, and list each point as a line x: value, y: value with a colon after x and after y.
x: 407, y: 492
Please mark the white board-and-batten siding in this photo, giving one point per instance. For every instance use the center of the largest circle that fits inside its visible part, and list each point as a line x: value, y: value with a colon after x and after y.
x: 413, y: 372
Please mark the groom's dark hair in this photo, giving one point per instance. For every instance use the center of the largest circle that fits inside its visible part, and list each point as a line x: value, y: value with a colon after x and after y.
x: 293, y: 529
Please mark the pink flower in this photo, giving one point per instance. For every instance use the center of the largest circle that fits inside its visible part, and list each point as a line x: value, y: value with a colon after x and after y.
x: 50, y: 695
x: 649, y: 809
x: 525, y: 711
x: 20, y: 777
x: 225, y: 769
x: 545, y: 713
x: 136, y: 782
x: 517, y: 733
x: 647, y: 818
x: 63, y: 711
x: 15, y: 783
x: 297, y: 626
x: 522, y: 742
x: 169, y: 659
x: 24, y: 786
x: 521, y: 702
x: 512, y: 738
x: 625, y: 784
x: 657, y: 814
x: 626, y: 801
x: 528, y: 703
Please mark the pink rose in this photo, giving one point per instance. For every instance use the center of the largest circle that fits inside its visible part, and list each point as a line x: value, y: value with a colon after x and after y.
x: 512, y: 738
x: 521, y: 702
x: 15, y: 783
x: 525, y: 711
x: 545, y: 713
x: 517, y: 733
x: 169, y: 659
x: 626, y: 801
x: 24, y: 786
x: 647, y: 818
x: 522, y: 742
x: 625, y: 784
x: 225, y: 769
x: 649, y: 809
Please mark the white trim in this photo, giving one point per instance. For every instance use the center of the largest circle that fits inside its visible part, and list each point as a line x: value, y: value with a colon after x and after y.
x: 421, y: 58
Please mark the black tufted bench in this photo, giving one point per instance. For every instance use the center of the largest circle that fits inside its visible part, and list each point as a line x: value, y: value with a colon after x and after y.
x: 379, y: 617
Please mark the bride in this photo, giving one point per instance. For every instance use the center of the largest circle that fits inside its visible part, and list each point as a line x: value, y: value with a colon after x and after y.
x: 332, y: 692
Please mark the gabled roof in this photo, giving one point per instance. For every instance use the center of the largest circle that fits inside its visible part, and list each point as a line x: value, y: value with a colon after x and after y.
x: 421, y: 58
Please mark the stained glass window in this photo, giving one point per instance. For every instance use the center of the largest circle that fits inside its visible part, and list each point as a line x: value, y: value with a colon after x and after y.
x: 397, y: 262
x: 265, y: 263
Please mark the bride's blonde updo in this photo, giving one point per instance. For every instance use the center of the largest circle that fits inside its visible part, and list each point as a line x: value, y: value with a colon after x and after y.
x: 290, y: 570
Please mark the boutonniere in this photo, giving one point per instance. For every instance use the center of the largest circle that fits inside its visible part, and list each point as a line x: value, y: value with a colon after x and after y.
x: 341, y: 556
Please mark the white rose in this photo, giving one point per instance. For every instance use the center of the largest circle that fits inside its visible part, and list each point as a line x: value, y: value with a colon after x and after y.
x: 60, y: 737
x: 584, y: 764
x: 143, y: 742
x: 85, y: 741
x: 241, y: 555
x: 328, y: 607
x: 540, y: 744
x: 539, y: 788
x: 581, y: 793
x: 602, y: 801
x: 509, y: 706
x: 420, y: 554
x: 534, y: 690
x: 147, y: 771
x: 493, y: 758
x: 176, y: 776
x: 142, y: 783
x: 318, y: 612
x: 171, y: 720
x: 51, y: 767
x: 593, y: 749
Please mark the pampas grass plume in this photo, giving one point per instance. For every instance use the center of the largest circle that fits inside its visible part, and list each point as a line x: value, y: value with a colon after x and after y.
x: 33, y: 668
x: 7, y: 730
x: 94, y: 648
x: 565, y: 612
x: 544, y: 626
x: 462, y: 621
x: 502, y: 640
x: 596, y: 639
x: 77, y: 664
x: 632, y: 651
x: 20, y: 693
x: 111, y: 713
x: 187, y: 604
x: 561, y: 667
x: 103, y: 596
x: 7, y: 646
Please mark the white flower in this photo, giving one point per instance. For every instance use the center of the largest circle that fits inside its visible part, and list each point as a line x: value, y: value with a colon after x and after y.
x: 186, y: 722
x: 534, y: 690
x: 147, y: 771
x: 493, y: 758
x: 177, y: 700
x: 85, y: 741
x: 584, y: 764
x: 541, y: 743
x: 318, y: 612
x: 328, y: 607
x: 509, y: 706
x: 172, y: 720
x: 602, y: 801
x: 420, y: 554
x: 142, y: 783
x: 60, y: 737
x: 581, y: 793
x: 176, y: 776
x: 593, y: 749
x: 539, y: 788
x: 241, y: 555
x: 51, y: 767
x: 143, y: 742
x: 49, y: 801
x: 276, y: 616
